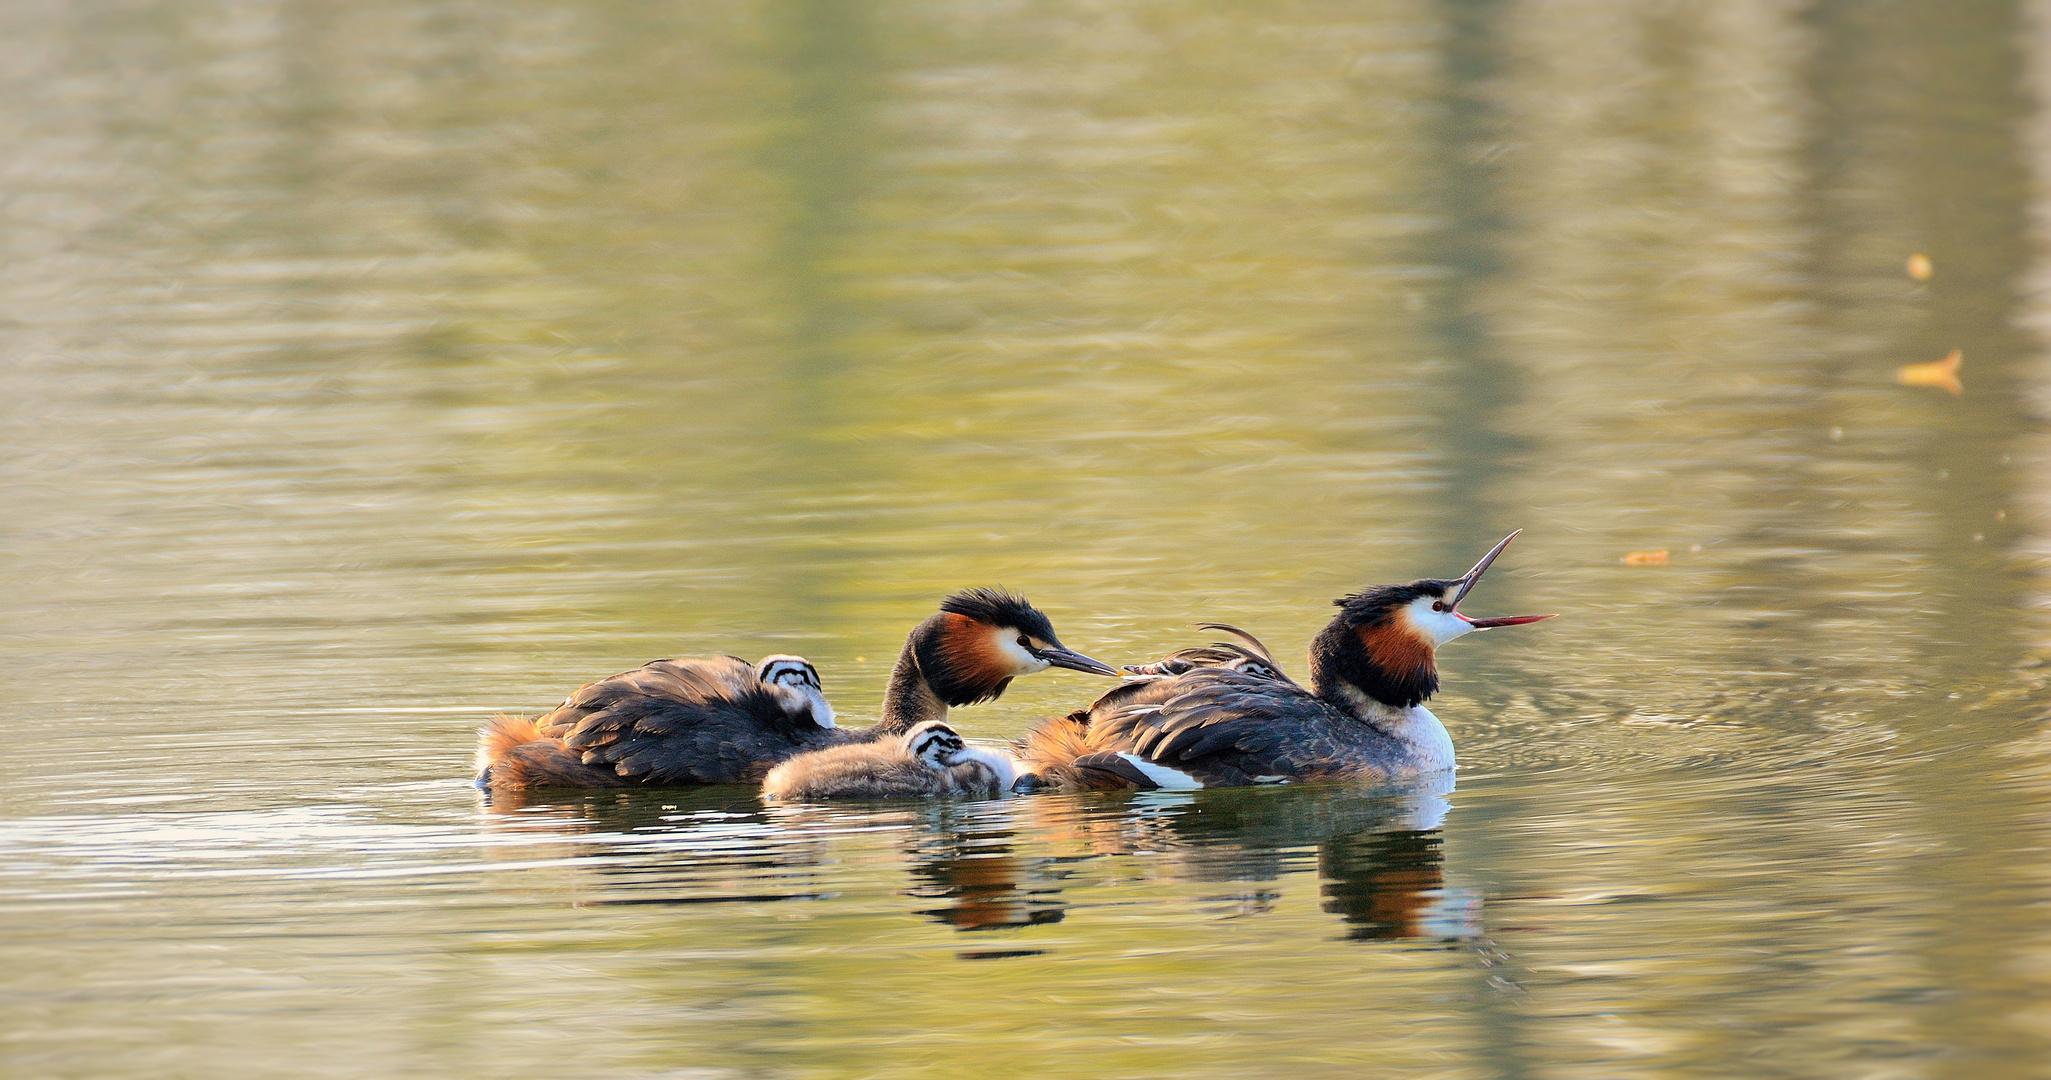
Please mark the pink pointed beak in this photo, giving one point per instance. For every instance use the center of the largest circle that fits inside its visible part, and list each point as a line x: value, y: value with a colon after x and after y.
x: 1505, y: 620
x: 1467, y: 585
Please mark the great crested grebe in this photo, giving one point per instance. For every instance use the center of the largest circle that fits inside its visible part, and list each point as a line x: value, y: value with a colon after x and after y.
x: 716, y: 720
x: 930, y: 760
x: 1213, y: 718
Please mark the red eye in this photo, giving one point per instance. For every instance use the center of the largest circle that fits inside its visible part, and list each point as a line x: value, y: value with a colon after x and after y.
x: 1438, y: 605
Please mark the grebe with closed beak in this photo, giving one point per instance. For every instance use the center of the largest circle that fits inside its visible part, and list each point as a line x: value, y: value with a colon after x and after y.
x: 719, y: 720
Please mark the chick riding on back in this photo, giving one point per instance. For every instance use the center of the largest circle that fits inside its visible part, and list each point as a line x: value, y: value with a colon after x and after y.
x: 930, y: 761
x: 719, y: 720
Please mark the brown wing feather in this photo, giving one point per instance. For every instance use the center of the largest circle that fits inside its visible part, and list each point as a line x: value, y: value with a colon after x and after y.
x: 1055, y: 753
x: 1221, y: 726
x: 687, y: 720
x: 1225, y: 727
x: 504, y: 733
x: 1251, y: 641
x: 545, y: 764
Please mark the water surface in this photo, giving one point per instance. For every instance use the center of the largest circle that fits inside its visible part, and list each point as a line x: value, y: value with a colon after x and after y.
x: 372, y: 368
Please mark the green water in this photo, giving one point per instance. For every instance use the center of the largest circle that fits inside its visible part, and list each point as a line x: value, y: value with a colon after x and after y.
x: 367, y: 369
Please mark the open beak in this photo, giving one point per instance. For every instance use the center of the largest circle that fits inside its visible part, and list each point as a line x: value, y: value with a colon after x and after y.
x: 1473, y: 576
x: 1074, y: 661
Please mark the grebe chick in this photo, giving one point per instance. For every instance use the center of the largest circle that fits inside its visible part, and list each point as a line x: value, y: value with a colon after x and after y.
x: 931, y: 760
x: 718, y: 720
x: 1211, y: 724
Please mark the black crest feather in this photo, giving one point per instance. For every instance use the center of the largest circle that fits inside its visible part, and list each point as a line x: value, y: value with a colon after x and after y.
x: 1377, y: 602
x: 997, y: 607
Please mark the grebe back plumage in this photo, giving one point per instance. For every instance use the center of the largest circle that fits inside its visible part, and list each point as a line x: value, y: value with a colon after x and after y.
x: 1213, y: 724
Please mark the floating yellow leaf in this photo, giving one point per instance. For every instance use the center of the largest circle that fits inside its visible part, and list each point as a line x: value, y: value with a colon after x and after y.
x: 1645, y: 558
x: 1920, y: 268
x: 1939, y: 373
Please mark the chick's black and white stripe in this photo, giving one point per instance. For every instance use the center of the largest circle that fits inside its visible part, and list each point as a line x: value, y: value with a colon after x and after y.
x: 934, y: 743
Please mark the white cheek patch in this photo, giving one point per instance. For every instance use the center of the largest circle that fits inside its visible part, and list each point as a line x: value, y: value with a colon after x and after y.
x: 1021, y: 661
x: 1439, y: 626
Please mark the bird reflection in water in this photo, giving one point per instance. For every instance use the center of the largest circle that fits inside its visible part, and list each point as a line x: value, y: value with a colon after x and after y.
x: 985, y: 883
x: 1391, y: 885
x: 1378, y: 853
x: 687, y: 846
x: 1380, y: 858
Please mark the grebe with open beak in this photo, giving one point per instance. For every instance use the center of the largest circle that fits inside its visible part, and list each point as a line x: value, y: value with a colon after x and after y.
x: 1238, y: 720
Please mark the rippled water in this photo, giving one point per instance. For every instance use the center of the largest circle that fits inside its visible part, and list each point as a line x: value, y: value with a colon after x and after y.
x: 371, y: 368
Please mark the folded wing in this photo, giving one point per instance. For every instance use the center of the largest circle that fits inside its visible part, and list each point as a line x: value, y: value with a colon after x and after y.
x: 1215, y: 715
x: 691, y: 720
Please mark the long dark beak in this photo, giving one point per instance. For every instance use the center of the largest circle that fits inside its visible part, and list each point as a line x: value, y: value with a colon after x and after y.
x: 1074, y: 661
x: 1473, y: 576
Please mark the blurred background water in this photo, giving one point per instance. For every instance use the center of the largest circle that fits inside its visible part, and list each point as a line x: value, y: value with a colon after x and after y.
x: 370, y: 368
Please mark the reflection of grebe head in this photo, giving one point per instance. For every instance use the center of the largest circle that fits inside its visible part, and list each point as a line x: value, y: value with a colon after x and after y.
x: 796, y: 675
x: 936, y: 744
x: 984, y: 638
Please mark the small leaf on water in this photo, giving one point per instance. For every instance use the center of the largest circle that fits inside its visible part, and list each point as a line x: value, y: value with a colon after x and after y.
x: 1939, y: 373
